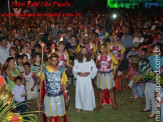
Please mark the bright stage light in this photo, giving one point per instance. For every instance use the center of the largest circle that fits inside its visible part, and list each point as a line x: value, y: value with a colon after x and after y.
x: 114, y: 16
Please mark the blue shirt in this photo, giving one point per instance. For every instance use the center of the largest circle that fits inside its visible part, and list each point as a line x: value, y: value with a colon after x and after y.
x: 155, y: 62
x: 127, y: 42
x: 101, y: 36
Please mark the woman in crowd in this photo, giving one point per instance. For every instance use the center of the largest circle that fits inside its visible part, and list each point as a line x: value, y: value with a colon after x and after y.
x: 12, y: 72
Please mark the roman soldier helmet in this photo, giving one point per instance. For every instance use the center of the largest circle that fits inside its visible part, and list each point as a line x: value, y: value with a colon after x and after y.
x: 60, y: 43
x: 53, y: 53
x: 102, y: 46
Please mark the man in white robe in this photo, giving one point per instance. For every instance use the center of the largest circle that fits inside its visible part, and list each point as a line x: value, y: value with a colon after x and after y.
x: 84, y: 71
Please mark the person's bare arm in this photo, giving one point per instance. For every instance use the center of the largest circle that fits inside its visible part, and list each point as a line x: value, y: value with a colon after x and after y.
x: 122, y: 56
x: 71, y: 51
x: 65, y: 88
x: 9, y: 75
x: 40, y: 84
x: 24, y: 82
x: 4, y: 66
x: 69, y: 65
x: 32, y: 89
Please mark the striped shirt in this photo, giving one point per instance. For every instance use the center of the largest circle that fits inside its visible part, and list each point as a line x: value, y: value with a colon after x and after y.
x: 4, y: 54
x: 36, y: 68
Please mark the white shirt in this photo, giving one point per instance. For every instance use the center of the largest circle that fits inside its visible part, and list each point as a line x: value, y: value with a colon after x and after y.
x: 4, y: 54
x: 9, y: 44
x: 18, y: 91
x: 136, y: 41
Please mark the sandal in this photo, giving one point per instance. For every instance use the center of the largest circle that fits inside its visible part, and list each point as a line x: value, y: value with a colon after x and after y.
x: 116, y: 108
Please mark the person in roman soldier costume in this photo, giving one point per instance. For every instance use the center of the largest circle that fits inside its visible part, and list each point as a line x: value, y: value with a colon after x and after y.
x: 44, y: 92
x: 63, y: 55
x: 88, y: 44
x: 105, y: 78
x: 118, y: 50
x: 63, y: 61
x: 55, y: 79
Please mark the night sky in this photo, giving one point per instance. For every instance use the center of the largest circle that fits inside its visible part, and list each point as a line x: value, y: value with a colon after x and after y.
x: 3, y: 6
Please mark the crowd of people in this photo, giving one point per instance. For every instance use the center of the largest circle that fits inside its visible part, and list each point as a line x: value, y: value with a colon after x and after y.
x: 41, y: 58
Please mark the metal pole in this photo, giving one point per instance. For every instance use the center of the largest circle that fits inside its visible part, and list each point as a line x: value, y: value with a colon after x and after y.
x: 9, y: 13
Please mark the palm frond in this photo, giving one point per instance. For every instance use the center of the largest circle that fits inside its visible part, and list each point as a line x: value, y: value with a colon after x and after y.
x: 7, y: 105
x: 154, y: 77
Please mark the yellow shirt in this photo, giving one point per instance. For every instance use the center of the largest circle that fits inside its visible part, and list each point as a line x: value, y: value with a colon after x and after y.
x: 64, y: 78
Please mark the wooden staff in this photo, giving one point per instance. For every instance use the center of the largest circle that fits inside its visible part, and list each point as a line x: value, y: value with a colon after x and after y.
x: 41, y: 82
x: 42, y: 60
x: 42, y: 57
